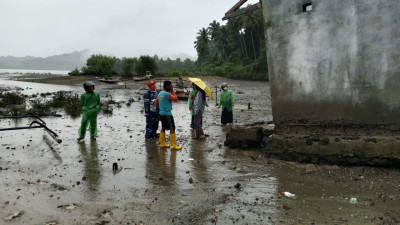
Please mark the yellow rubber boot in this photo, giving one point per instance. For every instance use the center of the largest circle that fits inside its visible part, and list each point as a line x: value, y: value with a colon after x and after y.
x: 172, y: 140
x: 162, y: 140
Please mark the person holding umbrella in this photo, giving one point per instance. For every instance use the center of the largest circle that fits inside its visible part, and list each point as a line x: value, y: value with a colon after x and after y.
x: 190, y: 104
x: 199, y: 102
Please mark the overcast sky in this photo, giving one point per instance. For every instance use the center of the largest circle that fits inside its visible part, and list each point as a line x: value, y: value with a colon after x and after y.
x: 114, y: 27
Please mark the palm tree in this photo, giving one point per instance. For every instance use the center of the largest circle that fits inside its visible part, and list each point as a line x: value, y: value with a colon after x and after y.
x: 204, y: 35
x: 259, y: 25
x: 251, y: 21
x: 201, y: 43
x: 222, y: 41
x: 237, y: 25
x: 213, y: 29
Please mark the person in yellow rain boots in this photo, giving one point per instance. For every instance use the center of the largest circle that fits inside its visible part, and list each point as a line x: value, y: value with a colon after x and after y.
x: 164, y: 103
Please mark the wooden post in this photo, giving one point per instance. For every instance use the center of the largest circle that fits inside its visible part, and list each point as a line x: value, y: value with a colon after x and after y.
x: 216, y: 95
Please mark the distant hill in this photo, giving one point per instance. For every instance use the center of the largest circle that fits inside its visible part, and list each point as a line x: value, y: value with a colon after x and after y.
x: 66, y: 61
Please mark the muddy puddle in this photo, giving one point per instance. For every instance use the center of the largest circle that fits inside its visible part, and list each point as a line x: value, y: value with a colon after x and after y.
x: 42, y: 182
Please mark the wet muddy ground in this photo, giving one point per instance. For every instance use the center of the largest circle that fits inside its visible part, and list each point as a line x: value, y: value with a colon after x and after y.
x: 42, y: 182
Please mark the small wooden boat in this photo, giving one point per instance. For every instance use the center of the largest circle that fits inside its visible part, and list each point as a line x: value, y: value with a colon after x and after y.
x: 140, y: 78
x: 109, y: 80
x: 147, y: 77
x: 182, y: 95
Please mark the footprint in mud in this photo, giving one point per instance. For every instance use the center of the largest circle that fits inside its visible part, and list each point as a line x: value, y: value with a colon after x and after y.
x: 14, y: 215
x: 58, y: 187
x: 68, y: 207
x: 51, y: 223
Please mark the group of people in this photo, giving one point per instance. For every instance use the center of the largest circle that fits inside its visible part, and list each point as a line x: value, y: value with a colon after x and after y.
x: 158, y: 107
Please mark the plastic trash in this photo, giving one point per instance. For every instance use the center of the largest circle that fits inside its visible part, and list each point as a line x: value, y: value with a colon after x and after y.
x: 353, y: 200
x: 288, y: 194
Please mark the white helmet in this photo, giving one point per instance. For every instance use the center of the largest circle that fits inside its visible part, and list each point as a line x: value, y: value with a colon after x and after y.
x: 223, y: 85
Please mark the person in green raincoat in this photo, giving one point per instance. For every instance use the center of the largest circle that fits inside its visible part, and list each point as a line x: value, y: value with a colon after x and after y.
x: 226, y: 101
x: 190, y: 105
x: 90, y: 101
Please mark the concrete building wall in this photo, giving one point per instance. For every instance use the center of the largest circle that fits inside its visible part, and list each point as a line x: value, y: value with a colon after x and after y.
x: 338, y: 64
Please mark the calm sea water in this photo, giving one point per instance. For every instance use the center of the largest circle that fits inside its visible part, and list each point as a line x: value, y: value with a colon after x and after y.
x: 19, y: 71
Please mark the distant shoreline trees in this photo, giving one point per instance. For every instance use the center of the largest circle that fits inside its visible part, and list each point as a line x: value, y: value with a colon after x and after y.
x: 235, y: 50
x: 101, y: 65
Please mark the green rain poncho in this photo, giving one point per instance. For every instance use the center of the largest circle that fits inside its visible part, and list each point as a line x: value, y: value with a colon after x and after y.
x: 190, y: 101
x: 90, y: 102
x: 226, y: 100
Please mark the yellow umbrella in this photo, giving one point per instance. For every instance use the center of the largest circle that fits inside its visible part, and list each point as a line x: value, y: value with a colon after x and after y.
x: 202, y: 85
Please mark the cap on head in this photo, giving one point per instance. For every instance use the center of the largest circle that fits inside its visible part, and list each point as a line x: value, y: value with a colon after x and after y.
x: 88, y: 84
x: 223, y: 85
x: 150, y: 83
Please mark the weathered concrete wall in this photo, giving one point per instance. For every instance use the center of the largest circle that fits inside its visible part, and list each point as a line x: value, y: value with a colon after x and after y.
x: 369, y: 151
x: 338, y: 64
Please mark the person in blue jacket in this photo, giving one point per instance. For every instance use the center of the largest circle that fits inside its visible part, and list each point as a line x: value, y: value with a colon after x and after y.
x: 151, y: 111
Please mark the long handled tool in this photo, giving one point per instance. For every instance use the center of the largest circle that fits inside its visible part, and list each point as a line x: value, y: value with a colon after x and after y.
x: 40, y: 124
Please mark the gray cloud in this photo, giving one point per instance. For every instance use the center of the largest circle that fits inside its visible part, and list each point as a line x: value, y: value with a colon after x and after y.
x: 116, y: 27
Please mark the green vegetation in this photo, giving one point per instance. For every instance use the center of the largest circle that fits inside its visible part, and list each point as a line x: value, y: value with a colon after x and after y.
x: 99, y: 65
x: 15, y: 104
x: 146, y: 63
x: 11, y: 98
x: 175, y: 68
x: 234, y: 50
x: 102, y: 65
x: 128, y: 66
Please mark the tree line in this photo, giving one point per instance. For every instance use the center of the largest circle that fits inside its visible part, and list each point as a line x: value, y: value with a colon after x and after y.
x: 98, y: 64
x: 235, y: 50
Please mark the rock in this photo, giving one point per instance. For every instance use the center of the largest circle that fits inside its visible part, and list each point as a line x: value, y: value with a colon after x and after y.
x: 291, y: 142
x: 237, y: 185
x: 190, y: 180
x: 374, y: 140
x: 245, y: 137
x: 350, y: 138
x: 324, y: 141
x: 315, y: 138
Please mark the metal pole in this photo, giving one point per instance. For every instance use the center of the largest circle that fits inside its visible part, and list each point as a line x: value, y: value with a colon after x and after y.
x: 58, y: 140
x: 19, y: 128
